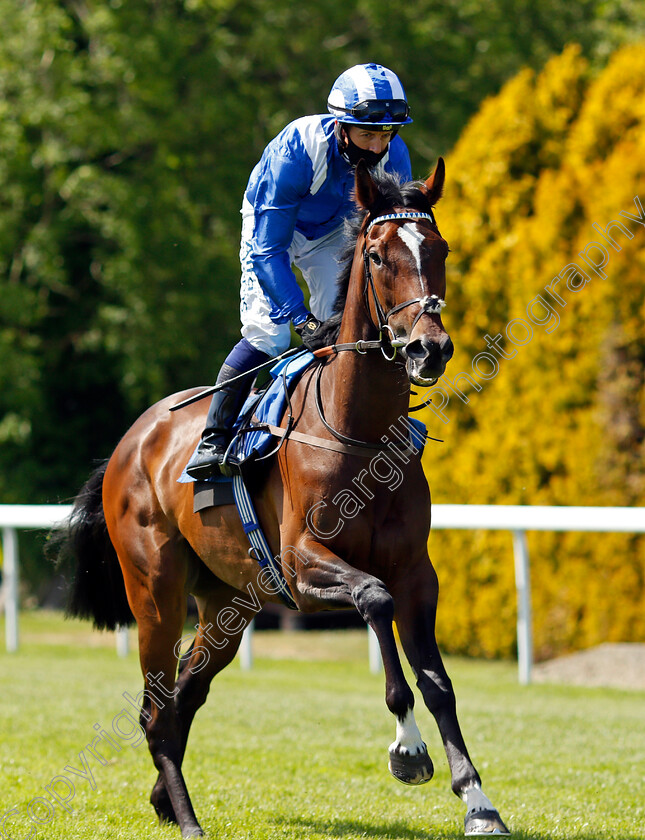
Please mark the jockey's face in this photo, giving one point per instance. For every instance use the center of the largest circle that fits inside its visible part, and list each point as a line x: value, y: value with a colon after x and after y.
x: 368, y: 139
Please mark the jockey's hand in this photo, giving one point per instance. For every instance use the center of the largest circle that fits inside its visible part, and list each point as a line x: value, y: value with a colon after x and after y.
x: 307, y: 331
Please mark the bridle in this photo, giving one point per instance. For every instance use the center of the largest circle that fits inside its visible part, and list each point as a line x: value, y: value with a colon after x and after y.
x: 429, y: 304
x: 387, y: 342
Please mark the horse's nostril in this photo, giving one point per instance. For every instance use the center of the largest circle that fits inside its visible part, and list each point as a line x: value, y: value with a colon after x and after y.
x: 447, y: 349
x: 417, y: 350
x: 430, y: 352
x: 425, y: 354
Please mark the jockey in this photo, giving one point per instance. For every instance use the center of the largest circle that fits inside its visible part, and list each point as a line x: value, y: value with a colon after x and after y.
x: 295, y: 203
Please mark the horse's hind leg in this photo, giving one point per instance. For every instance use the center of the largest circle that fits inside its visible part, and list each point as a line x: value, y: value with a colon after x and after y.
x: 155, y: 562
x: 416, y: 604
x: 211, y: 652
x: 157, y: 640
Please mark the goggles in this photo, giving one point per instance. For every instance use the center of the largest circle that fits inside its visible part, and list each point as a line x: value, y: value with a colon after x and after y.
x: 376, y: 110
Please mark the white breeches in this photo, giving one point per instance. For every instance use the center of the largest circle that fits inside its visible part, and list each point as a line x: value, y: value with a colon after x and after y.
x: 318, y: 262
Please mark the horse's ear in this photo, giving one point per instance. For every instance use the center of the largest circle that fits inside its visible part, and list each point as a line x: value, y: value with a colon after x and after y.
x: 365, y: 190
x: 435, y: 182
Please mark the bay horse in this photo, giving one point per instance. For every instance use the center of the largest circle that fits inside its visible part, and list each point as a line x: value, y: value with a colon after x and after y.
x: 347, y: 532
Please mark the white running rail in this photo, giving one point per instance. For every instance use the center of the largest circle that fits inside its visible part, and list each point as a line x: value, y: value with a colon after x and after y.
x: 518, y: 519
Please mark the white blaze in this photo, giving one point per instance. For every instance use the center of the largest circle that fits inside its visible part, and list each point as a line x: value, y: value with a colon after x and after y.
x: 412, y: 237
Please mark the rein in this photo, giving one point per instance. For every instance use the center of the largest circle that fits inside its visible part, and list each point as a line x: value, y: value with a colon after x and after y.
x: 429, y: 305
x: 344, y: 443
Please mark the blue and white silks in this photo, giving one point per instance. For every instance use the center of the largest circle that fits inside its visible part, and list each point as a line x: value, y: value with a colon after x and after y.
x: 303, y: 185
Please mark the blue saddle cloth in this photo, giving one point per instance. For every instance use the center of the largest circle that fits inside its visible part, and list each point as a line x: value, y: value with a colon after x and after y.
x: 267, y: 406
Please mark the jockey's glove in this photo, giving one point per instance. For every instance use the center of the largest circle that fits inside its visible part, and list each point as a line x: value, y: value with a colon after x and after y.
x: 307, y: 331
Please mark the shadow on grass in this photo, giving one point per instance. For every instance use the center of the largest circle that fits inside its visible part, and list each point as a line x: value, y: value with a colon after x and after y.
x: 400, y: 830
x: 395, y: 829
x: 590, y: 833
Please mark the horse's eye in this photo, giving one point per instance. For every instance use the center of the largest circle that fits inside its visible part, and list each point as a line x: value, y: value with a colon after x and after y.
x: 375, y: 258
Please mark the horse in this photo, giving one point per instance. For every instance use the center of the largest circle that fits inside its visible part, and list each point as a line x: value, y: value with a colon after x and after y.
x: 345, y: 509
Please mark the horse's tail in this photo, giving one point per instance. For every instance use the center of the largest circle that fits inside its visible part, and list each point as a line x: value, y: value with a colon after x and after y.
x: 83, y: 547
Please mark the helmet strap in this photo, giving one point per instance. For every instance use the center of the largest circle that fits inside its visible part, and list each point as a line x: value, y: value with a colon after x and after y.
x: 341, y: 137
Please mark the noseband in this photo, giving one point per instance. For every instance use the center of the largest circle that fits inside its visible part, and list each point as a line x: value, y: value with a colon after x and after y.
x: 429, y: 305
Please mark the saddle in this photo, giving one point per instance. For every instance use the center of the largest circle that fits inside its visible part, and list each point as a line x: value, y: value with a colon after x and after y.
x: 262, y: 411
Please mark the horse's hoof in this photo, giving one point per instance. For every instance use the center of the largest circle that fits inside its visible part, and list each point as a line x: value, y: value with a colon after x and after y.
x: 484, y: 823
x: 163, y: 808
x: 196, y: 831
x: 411, y: 769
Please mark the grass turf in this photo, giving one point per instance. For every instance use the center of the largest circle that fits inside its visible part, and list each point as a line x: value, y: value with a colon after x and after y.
x: 298, y: 749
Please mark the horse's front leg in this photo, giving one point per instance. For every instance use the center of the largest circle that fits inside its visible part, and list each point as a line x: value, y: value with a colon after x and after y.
x: 324, y: 581
x: 416, y: 604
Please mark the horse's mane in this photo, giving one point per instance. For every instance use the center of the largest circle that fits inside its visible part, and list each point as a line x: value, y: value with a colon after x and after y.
x: 391, y: 193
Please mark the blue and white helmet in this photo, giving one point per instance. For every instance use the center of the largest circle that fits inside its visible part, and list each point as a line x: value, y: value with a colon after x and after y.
x: 371, y: 95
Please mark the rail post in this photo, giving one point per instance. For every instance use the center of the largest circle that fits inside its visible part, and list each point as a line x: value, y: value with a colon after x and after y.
x: 10, y: 587
x: 122, y: 640
x: 524, y: 620
x: 246, y: 647
x: 374, y: 651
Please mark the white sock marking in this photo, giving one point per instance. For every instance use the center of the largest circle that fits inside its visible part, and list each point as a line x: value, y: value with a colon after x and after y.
x: 408, y: 738
x: 476, y: 799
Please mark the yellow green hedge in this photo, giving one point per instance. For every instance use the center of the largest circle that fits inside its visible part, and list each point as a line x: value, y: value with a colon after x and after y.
x: 555, y: 413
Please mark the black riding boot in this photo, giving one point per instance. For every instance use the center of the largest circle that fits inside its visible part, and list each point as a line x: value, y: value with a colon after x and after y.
x: 225, y: 406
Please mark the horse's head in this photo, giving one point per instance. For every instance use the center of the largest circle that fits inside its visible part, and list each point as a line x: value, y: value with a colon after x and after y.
x: 404, y: 270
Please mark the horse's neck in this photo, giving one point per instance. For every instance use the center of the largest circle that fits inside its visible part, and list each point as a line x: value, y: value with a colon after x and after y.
x: 366, y: 393
x: 368, y: 396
